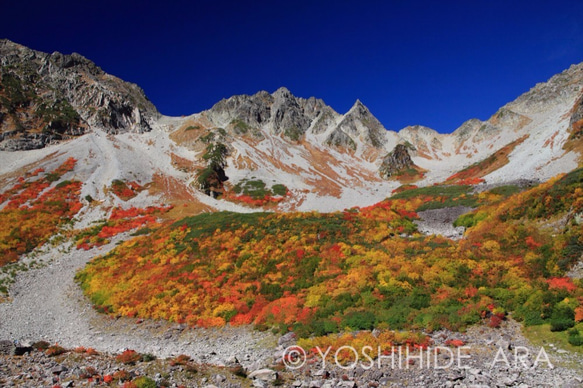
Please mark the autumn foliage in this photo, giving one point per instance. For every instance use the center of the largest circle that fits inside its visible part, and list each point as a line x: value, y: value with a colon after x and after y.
x: 474, y: 174
x: 119, y: 221
x: 359, y: 269
x: 125, y: 190
x: 35, y: 208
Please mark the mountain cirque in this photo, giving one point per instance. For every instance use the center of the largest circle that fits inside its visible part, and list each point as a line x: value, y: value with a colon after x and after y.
x: 281, y: 153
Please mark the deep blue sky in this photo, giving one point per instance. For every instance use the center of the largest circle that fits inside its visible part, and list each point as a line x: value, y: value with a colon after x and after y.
x: 435, y: 63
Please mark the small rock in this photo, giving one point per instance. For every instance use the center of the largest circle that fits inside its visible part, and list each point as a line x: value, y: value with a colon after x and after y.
x: 474, y: 371
x: 232, y: 361
x: 286, y: 339
x: 323, y: 373
x: 508, y: 380
x: 260, y: 384
x: 316, y: 384
x: 265, y: 374
x: 220, y: 379
x: 455, y: 376
x: 59, y: 369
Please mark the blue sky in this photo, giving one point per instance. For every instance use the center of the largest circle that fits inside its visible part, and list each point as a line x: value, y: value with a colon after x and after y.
x: 434, y: 63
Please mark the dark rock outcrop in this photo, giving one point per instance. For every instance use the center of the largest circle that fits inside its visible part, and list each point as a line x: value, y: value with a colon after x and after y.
x: 396, y: 161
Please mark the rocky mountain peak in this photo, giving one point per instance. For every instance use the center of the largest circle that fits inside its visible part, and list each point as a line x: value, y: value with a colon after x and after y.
x: 50, y: 97
x: 358, y: 125
x: 283, y: 92
x: 358, y: 109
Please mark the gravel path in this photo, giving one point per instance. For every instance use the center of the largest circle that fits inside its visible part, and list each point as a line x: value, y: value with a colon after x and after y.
x: 47, y: 304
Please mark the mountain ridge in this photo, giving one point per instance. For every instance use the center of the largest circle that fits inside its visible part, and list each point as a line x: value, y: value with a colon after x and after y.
x: 326, y: 159
x: 50, y: 97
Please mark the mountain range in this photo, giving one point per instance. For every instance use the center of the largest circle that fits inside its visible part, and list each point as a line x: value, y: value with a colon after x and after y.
x: 65, y: 105
x: 124, y: 228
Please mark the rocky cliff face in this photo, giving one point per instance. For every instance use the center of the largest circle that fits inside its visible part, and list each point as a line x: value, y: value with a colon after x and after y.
x: 46, y: 98
x: 281, y: 113
x: 396, y: 161
x: 277, y: 113
x: 358, y: 124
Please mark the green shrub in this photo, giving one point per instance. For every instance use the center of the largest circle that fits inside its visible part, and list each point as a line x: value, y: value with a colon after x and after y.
x: 52, y: 177
x: 63, y: 184
x: 279, y: 189
x: 359, y: 320
x: 470, y: 219
x: 575, y: 338
x: 145, y: 382
x: 323, y: 327
x: 147, y: 357
x: 561, y: 324
x: 240, y: 126
x: 505, y: 191
x: 209, y: 137
x: 562, y: 318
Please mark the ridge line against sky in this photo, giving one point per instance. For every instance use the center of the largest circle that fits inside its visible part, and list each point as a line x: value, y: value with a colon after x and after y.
x: 428, y: 63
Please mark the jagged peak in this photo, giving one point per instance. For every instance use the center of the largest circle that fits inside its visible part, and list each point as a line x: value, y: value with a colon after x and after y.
x: 282, y: 90
x: 359, y: 107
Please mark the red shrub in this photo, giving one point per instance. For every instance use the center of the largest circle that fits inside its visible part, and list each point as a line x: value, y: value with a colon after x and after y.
x: 455, y: 343
x: 128, y: 357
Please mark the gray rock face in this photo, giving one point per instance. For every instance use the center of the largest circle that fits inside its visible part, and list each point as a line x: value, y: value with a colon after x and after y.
x: 254, y: 110
x: 46, y: 98
x: 339, y: 138
x: 465, y: 131
x: 559, y: 87
x: 396, y: 160
x: 288, y: 115
x: 279, y: 113
x: 282, y: 113
x: 359, y: 123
